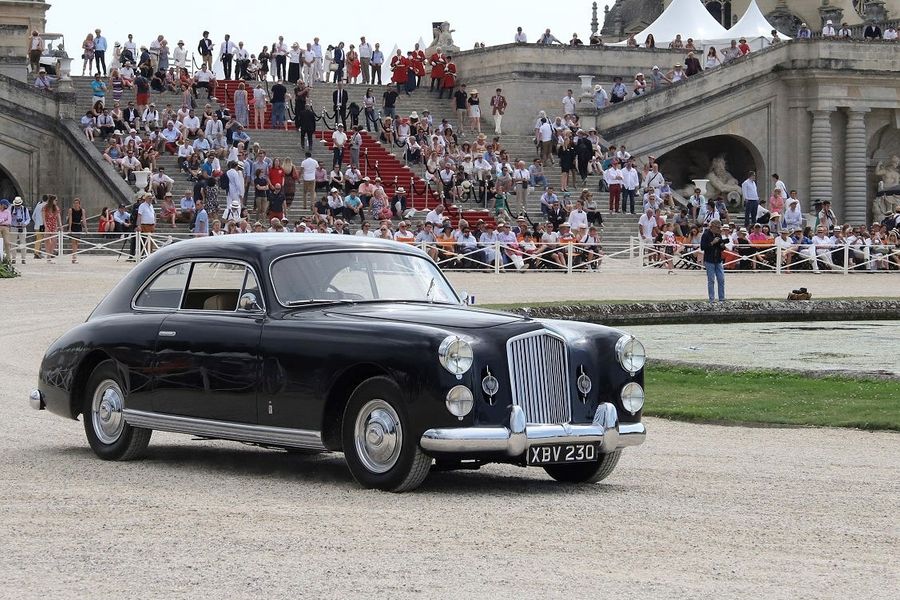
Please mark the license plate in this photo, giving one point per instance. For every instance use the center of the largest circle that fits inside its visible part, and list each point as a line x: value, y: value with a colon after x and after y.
x: 552, y: 454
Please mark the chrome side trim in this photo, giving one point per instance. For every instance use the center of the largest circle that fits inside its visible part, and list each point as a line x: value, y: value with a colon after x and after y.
x: 36, y: 400
x: 515, y: 438
x: 240, y: 432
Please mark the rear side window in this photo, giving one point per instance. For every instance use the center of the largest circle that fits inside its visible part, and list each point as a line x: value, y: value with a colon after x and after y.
x: 165, y: 291
x: 214, y: 286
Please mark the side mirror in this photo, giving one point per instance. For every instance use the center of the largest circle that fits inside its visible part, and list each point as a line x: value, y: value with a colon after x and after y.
x: 248, y: 303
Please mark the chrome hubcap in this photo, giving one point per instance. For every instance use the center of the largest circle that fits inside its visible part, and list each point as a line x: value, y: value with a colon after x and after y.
x: 378, y: 436
x: 106, y: 412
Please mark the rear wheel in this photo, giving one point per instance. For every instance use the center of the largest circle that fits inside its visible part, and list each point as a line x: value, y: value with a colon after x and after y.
x: 587, y: 472
x: 377, y: 440
x: 110, y: 437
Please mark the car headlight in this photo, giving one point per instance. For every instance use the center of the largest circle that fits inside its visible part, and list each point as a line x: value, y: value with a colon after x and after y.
x: 460, y: 401
x: 631, y: 354
x: 455, y: 355
x: 633, y: 397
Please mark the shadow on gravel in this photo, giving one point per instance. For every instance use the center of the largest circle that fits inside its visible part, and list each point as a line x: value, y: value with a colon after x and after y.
x: 329, y: 467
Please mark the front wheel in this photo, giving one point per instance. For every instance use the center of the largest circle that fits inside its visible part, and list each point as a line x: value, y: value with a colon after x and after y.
x: 587, y: 472
x: 378, y: 444
x: 110, y: 437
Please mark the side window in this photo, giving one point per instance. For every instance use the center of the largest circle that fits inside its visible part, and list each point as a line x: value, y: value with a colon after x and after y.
x: 214, y: 286
x: 252, y: 287
x: 165, y: 291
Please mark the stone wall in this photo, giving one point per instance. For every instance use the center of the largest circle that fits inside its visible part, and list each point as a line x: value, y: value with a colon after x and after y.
x: 44, y: 151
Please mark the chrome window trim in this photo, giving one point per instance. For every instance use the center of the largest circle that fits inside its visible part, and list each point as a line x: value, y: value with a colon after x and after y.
x: 226, y: 430
x: 353, y: 251
x: 192, y: 261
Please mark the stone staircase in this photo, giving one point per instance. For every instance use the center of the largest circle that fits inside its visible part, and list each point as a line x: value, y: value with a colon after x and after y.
x: 382, y: 161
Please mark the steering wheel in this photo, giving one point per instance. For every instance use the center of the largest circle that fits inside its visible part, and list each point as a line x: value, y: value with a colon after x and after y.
x: 341, y: 295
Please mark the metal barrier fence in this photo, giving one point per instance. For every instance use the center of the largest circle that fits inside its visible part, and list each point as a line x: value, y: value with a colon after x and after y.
x: 845, y: 258
x: 500, y: 257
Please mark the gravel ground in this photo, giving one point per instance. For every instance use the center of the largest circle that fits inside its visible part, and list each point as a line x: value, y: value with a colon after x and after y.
x: 696, y: 512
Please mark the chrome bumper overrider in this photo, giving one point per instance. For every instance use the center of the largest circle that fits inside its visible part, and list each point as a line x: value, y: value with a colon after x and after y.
x: 515, y: 438
x: 36, y: 400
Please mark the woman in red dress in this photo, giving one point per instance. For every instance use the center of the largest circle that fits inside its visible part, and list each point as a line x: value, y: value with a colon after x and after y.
x: 105, y: 224
x: 354, y: 66
x: 398, y: 70
x: 51, y: 227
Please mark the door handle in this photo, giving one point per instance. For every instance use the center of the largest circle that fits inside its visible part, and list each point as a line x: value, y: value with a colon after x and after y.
x: 166, y: 334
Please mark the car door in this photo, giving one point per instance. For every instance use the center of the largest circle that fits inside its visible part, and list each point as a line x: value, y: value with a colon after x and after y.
x: 207, y: 352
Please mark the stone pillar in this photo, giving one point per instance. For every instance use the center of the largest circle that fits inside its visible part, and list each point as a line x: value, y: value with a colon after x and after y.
x: 820, y: 161
x: 594, y: 23
x: 875, y: 11
x: 835, y: 14
x: 856, y: 200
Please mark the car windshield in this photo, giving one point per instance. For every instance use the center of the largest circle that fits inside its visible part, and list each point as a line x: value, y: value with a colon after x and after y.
x: 359, y: 276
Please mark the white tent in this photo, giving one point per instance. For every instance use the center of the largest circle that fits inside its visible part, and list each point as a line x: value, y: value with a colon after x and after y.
x: 686, y: 17
x: 753, y: 24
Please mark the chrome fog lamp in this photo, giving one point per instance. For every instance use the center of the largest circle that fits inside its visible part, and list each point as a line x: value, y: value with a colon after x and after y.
x: 633, y: 397
x: 455, y: 355
x: 460, y: 401
x: 631, y: 354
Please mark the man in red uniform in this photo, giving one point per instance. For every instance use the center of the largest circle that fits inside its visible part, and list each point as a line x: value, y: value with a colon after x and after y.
x: 449, y: 79
x: 438, y: 62
x: 419, y: 64
x: 398, y: 69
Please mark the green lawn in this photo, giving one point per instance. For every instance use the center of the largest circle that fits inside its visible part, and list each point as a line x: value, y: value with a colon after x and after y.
x: 767, y: 397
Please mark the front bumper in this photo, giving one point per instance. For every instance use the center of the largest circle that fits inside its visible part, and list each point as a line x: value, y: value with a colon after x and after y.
x: 516, y: 437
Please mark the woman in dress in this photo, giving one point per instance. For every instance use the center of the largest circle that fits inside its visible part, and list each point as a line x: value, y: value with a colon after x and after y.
x: 291, y: 175
x: 163, y: 56
x: 354, y: 68
x: 474, y: 111
x: 712, y: 59
x: 566, y: 153
x: 241, y: 105
x: 106, y: 223
x: 87, y: 55
x: 75, y: 226
x: 51, y: 227
x: 116, y: 85
x: 265, y: 61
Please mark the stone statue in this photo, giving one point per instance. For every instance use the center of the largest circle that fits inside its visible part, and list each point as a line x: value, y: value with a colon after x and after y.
x: 443, y: 39
x: 888, y: 188
x: 720, y: 182
x: 889, y: 173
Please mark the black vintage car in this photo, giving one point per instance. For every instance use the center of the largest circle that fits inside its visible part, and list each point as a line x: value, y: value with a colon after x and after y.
x: 314, y: 343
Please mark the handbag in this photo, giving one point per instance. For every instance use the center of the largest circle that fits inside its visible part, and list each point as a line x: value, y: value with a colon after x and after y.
x: 333, y: 67
x: 518, y: 261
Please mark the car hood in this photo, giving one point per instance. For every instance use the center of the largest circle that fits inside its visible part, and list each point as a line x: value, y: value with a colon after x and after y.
x: 436, y: 315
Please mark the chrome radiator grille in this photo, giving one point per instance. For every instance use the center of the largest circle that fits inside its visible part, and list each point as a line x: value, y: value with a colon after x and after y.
x: 539, y: 376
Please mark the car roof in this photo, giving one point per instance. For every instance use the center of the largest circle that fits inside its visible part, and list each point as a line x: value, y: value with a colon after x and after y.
x: 271, y: 245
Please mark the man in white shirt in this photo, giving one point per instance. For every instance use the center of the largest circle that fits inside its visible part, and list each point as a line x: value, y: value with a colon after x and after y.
x: 751, y: 199
x: 828, y: 31
x: 339, y: 139
x: 191, y: 124
x: 630, y: 183
x: 545, y: 138
x: 569, y: 103
x: 319, y: 66
x: 646, y: 224
x: 226, y: 55
x: 280, y: 54
x: 614, y: 179
x: 309, y: 166
x: 309, y: 65
x: 521, y: 38
x: 548, y: 39
x: 436, y: 216
x: 521, y: 177
x: 161, y: 183
x: 695, y: 203
x: 146, y: 216
x: 365, y: 59
x: 654, y: 179
x: 242, y: 60
x: 202, y: 79
x: 820, y: 251
x: 128, y: 164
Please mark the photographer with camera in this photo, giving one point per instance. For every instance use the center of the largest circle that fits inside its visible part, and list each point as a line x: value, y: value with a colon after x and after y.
x: 712, y: 243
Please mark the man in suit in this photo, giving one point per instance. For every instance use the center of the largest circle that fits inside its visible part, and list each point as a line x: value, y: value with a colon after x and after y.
x: 340, y: 98
x: 872, y: 32
x: 205, y: 48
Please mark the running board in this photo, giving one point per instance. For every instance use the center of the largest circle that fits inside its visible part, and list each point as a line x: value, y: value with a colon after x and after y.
x: 225, y: 430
